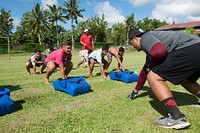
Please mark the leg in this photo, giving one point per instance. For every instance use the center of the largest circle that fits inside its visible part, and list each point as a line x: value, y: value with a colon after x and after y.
x: 193, y: 88
x: 109, y: 62
x: 158, y: 86
x: 41, y: 63
x: 28, y: 66
x: 176, y: 119
x: 68, y: 67
x: 91, y: 66
x: 50, y: 69
x: 105, y: 65
x: 80, y: 62
x: 42, y: 69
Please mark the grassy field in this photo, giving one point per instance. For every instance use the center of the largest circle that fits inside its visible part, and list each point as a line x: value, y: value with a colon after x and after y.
x: 39, y: 108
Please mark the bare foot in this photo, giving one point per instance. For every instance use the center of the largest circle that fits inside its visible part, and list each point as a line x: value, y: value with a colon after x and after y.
x: 106, y: 78
x: 46, y: 81
x: 28, y: 74
x: 90, y: 76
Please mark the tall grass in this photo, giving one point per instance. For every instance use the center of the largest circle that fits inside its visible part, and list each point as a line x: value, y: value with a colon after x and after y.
x: 39, y: 108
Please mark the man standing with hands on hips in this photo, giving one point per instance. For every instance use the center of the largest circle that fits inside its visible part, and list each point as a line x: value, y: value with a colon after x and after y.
x: 170, y: 56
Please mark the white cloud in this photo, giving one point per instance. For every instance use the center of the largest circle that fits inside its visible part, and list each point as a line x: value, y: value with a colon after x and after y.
x: 177, y: 11
x: 141, y: 2
x: 48, y: 2
x: 173, y: 10
x: 112, y: 14
x: 16, y: 22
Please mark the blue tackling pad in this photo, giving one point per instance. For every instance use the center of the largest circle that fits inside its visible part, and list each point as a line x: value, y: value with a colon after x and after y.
x: 124, y: 76
x: 6, y: 104
x: 73, y: 86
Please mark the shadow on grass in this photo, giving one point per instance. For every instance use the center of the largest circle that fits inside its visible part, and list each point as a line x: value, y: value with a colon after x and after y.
x: 11, y: 87
x: 18, y: 105
x: 181, y: 99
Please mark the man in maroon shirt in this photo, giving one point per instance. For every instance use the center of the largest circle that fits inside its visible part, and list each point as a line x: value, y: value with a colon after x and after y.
x: 171, y: 56
x: 87, y: 41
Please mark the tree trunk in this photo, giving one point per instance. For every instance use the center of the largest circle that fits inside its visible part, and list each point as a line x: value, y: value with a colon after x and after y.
x: 72, y: 35
x: 127, y: 38
x: 57, y: 35
x: 39, y: 38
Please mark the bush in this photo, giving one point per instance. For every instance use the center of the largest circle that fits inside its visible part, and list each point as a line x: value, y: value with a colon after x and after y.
x: 3, y: 48
x: 30, y: 47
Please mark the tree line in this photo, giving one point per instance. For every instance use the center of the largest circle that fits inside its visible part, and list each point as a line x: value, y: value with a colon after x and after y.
x: 40, y: 27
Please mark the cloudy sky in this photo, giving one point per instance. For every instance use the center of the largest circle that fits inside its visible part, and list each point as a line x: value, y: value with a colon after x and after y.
x: 115, y: 11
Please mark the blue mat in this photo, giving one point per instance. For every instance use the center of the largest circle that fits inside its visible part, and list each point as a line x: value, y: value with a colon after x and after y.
x: 124, y: 76
x: 73, y: 86
x: 6, y: 104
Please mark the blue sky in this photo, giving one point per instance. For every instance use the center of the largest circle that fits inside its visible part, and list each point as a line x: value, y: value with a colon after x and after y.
x: 116, y: 10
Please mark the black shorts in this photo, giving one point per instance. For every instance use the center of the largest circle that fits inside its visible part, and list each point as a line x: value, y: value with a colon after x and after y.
x: 181, y: 64
x: 37, y: 65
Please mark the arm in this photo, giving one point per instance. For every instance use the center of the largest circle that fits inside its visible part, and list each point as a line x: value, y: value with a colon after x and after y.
x: 119, y: 60
x: 102, y: 70
x: 158, y: 53
x: 61, y: 66
x: 81, y: 41
x: 92, y: 43
x: 33, y: 61
x: 141, y: 80
x: 34, y: 69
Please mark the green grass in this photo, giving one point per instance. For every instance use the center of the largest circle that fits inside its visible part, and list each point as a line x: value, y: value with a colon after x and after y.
x: 38, y: 108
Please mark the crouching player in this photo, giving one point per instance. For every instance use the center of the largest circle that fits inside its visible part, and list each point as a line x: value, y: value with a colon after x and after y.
x: 36, y: 60
x: 98, y: 56
x: 59, y: 58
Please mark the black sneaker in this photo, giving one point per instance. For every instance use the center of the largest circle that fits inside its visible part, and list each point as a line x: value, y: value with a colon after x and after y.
x: 168, y: 122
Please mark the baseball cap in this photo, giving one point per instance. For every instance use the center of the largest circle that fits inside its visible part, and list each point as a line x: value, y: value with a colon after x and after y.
x: 86, y: 30
x: 135, y: 32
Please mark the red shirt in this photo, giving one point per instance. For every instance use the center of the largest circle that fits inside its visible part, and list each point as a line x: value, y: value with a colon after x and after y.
x: 87, y: 39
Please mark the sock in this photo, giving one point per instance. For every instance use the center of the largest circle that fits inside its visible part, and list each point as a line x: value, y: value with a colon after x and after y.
x: 172, y: 108
x: 198, y: 95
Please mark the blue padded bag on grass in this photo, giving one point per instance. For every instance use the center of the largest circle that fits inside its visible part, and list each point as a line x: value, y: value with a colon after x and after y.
x: 73, y: 86
x: 124, y: 76
x: 6, y: 104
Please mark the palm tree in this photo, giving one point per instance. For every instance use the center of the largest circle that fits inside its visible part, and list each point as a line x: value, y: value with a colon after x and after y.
x: 73, y: 13
x: 130, y: 23
x: 6, y: 22
x: 54, y: 14
x: 37, y: 21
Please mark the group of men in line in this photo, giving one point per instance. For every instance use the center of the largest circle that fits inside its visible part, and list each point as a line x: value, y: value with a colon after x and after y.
x: 62, y: 58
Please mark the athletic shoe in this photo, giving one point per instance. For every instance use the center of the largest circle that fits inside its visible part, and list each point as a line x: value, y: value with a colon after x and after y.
x: 197, y: 104
x: 168, y: 122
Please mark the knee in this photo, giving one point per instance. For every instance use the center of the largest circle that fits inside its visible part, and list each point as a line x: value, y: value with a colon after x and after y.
x: 27, y: 64
x: 91, y: 62
x: 51, y: 66
x: 69, y: 65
